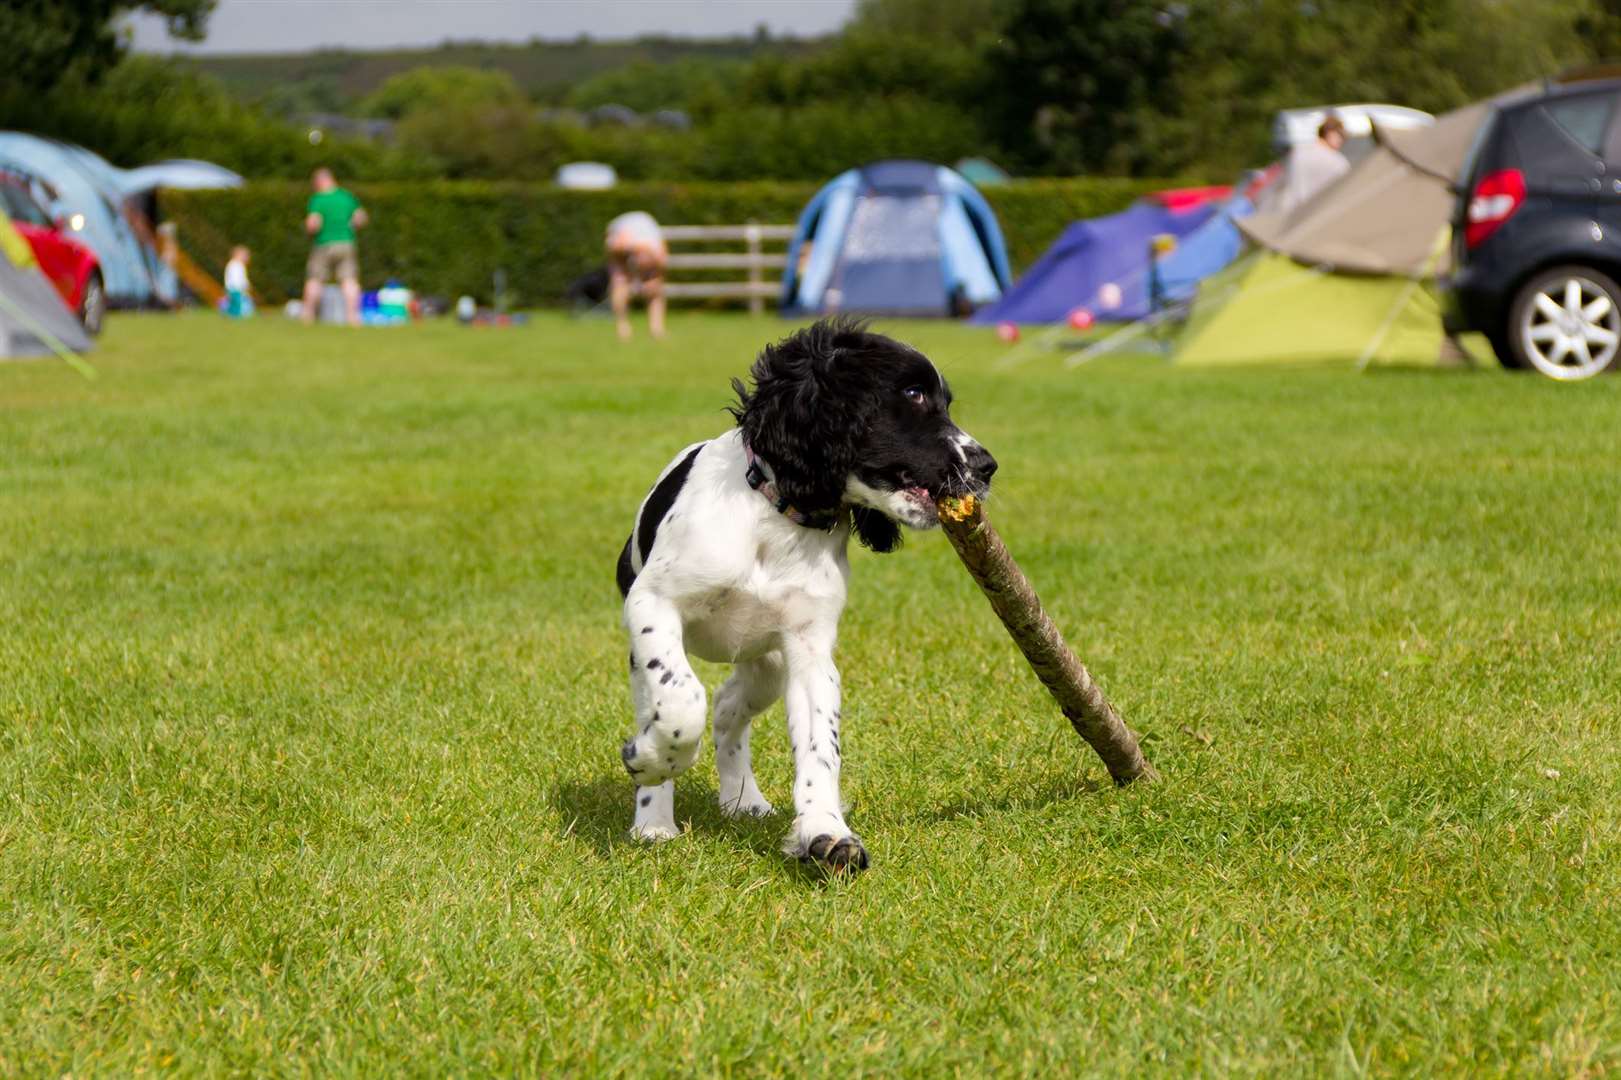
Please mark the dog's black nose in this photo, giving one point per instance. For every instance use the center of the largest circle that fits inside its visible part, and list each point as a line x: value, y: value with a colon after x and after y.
x: 980, y: 463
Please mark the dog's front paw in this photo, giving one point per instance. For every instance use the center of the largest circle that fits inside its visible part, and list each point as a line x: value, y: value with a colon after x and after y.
x: 840, y: 856
x: 654, y: 832
x: 837, y: 850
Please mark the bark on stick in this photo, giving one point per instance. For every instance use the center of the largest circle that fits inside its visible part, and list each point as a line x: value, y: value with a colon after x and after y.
x: 1016, y: 604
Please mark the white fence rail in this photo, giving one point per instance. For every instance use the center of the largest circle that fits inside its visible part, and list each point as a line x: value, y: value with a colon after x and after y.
x: 753, y: 259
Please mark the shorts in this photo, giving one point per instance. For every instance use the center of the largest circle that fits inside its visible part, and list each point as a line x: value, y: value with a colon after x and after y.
x: 640, y: 267
x: 333, y: 260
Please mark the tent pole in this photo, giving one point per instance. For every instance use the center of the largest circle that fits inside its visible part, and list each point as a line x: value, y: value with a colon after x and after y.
x: 1406, y: 294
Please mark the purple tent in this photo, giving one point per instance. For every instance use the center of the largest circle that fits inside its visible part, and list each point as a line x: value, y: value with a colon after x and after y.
x: 1100, y: 264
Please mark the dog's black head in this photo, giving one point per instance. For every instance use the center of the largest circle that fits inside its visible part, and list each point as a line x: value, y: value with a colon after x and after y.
x: 847, y: 417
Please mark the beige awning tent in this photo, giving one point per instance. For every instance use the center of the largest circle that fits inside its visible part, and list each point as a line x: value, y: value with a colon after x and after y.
x: 1440, y: 151
x: 1392, y: 213
x: 1385, y: 216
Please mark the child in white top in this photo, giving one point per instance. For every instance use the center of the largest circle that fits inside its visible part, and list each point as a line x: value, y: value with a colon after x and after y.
x: 238, y: 301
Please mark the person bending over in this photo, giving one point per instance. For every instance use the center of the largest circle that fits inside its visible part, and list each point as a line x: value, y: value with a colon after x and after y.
x: 636, y: 258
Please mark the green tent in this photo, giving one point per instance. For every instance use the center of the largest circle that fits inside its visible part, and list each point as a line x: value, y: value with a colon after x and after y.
x: 1270, y: 309
x: 982, y: 172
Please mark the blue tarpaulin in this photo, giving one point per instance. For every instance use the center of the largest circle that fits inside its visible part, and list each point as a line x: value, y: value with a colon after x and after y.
x: 1103, y: 264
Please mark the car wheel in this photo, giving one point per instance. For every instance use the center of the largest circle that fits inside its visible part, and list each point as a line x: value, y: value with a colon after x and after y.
x: 1566, y: 323
x: 92, y: 304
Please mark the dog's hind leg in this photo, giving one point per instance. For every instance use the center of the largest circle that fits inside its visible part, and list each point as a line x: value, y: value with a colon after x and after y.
x: 754, y: 685
x: 670, y: 712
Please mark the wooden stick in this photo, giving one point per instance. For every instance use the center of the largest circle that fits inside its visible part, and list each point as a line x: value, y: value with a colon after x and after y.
x: 1017, y: 605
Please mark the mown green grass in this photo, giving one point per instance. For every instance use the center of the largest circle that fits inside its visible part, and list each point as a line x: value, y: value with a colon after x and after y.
x: 311, y: 696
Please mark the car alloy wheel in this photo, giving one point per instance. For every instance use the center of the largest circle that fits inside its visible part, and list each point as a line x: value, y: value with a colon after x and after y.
x: 92, y: 305
x: 1568, y: 323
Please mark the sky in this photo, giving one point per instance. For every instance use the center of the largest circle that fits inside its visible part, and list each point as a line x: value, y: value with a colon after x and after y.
x: 300, y: 25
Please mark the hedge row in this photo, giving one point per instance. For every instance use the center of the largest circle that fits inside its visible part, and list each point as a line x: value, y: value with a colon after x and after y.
x: 449, y: 238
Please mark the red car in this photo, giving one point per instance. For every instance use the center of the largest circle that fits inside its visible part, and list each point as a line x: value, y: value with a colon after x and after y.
x: 72, y: 267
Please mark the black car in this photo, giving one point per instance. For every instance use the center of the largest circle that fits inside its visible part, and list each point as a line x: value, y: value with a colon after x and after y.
x: 1537, y: 231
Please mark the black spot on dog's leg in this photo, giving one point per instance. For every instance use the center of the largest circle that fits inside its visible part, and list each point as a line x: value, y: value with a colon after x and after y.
x: 654, y: 663
x: 646, y: 799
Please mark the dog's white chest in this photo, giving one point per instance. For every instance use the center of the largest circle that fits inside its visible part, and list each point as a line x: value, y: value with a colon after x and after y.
x: 748, y: 616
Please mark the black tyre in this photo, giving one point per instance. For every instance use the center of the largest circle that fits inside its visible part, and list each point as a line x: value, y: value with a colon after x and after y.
x: 1505, y: 355
x: 93, y: 303
x: 1566, y: 323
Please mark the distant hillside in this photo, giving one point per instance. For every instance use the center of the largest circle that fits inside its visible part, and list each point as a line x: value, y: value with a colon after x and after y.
x: 337, y: 78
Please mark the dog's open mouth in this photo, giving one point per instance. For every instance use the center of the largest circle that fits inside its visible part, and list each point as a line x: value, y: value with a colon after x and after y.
x: 919, y: 497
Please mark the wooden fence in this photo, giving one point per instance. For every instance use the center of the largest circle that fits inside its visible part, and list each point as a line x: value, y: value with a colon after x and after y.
x: 758, y: 286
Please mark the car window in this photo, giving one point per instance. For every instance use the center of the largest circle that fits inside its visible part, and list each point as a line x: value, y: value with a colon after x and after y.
x: 21, y: 208
x: 1584, y: 118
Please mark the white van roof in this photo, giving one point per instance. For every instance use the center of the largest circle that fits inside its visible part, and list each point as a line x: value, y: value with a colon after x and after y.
x: 1293, y: 126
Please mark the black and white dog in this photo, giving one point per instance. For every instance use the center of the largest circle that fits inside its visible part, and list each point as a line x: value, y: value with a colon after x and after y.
x: 739, y: 556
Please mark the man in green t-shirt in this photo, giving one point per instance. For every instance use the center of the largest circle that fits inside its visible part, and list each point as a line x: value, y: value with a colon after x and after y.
x: 331, y: 218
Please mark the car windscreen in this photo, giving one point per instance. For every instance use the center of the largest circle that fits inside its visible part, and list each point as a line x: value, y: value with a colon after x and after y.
x: 21, y: 208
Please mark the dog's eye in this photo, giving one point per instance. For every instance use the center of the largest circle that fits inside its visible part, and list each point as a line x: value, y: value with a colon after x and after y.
x: 915, y: 395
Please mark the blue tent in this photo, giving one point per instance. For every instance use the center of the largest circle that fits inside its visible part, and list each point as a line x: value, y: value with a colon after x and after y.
x: 1103, y: 264
x: 81, y: 196
x: 895, y: 238
x: 96, y: 195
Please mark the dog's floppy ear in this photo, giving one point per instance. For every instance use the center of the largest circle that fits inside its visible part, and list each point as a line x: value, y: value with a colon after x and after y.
x: 807, y: 411
x: 875, y: 529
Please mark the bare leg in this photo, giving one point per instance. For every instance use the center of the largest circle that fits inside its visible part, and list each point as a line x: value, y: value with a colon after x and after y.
x: 754, y: 685
x: 655, y: 306
x: 619, y: 295
x: 312, y: 300
x: 351, y: 300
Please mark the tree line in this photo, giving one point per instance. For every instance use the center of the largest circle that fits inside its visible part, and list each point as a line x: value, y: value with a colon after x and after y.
x: 1045, y: 87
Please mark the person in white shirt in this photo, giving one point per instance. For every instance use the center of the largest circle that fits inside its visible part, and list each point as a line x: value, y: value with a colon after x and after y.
x: 636, y: 258
x: 238, y: 293
x: 1315, y: 165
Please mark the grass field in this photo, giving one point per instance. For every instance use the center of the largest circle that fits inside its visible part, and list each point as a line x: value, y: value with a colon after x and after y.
x: 311, y: 698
